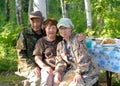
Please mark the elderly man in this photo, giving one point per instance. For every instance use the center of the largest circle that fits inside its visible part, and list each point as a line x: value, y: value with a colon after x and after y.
x: 25, y: 46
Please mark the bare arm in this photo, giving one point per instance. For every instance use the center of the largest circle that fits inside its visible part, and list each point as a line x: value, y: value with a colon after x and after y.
x: 42, y: 65
x: 38, y: 60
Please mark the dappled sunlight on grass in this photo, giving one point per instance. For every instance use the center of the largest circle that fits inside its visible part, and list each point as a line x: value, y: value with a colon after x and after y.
x: 102, y: 79
x: 10, y: 77
x: 7, y: 64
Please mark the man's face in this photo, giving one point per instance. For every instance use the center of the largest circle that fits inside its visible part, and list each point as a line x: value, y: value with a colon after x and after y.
x: 36, y: 24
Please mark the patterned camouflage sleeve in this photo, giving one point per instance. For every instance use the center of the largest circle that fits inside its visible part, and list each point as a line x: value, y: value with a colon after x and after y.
x: 80, y: 53
x: 60, y: 64
x: 21, y: 46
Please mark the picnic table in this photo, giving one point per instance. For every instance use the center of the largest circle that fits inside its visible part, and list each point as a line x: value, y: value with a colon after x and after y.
x: 108, y: 58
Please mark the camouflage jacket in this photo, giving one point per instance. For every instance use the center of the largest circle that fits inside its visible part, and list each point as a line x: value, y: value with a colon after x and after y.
x: 76, y: 57
x: 25, y: 46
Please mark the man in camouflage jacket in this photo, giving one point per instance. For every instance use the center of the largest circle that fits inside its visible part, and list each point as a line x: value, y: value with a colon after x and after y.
x: 25, y: 46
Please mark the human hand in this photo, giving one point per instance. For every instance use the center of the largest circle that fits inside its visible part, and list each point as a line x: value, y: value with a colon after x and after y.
x: 77, y: 78
x: 37, y: 71
x: 57, y: 78
x: 81, y: 37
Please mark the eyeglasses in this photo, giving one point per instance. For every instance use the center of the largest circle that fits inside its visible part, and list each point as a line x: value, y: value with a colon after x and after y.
x: 63, y: 28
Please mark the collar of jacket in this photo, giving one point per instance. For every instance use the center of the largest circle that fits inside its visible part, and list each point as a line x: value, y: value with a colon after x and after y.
x: 29, y: 31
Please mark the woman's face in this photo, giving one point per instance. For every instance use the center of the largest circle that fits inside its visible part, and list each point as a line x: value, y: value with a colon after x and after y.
x: 65, y: 32
x: 36, y: 24
x: 51, y: 31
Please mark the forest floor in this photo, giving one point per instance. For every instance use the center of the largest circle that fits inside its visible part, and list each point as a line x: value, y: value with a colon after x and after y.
x: 10, y: 79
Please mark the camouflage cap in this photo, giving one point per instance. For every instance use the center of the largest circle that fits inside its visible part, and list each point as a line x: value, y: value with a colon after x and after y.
x: 66, y: 22
x: 36, y: 14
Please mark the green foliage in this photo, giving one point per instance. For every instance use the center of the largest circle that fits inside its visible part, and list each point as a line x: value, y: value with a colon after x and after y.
x: 54, y: 9
x: 8, y: 37
x: 115, y: 80
x: 77, y: 14
x: 8, y: 64
x: 9, y: 32
x: 12, y: 10
x: 106, y: 18
x: 2, y: 15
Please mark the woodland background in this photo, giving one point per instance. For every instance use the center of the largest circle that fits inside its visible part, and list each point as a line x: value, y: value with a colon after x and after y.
x: 105, y: 23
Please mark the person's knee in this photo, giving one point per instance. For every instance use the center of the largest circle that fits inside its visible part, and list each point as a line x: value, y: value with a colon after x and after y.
x: 33, y: 78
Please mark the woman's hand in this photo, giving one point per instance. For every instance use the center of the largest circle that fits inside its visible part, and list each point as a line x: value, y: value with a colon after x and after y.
x: 57, y: 78
x: 37, y: 71
x: 81, y: 37
x: 77, y: 78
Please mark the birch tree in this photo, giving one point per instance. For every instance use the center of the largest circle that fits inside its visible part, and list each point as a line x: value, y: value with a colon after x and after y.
x: 88, y: 14
x: 64, y: 8
x: 30, y: 8
x: 19, y: 12
x: 40, y: 5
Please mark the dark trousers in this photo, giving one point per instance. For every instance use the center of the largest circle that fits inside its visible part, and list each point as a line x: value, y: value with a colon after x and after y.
x: 96, y: 84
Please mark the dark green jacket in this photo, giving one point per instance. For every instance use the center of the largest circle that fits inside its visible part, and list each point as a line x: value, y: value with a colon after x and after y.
x: 25, y: 44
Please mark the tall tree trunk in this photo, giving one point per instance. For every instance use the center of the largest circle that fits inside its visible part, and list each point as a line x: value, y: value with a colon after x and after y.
x: 30, y: 9
x: 30, y: 6
x: 7, y: 10
x: 19, y: 12
x: 88, y: 14
x: 40, y: 5
x: 64, y: 7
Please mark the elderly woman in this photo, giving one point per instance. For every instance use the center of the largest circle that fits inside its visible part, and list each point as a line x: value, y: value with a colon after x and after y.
x: 45, y: 51
x: 74, y: 65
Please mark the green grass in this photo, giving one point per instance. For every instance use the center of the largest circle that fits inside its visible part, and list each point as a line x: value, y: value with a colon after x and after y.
x: 115, y: 79
x: 10, y: 79
x: 7, y: 64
